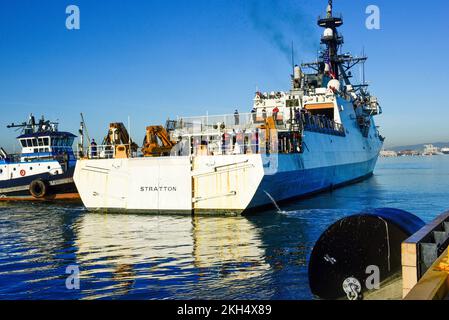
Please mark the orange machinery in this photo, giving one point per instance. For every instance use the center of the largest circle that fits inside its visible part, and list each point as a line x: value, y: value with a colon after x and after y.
x: 157, y: 142
x: 118, y: 138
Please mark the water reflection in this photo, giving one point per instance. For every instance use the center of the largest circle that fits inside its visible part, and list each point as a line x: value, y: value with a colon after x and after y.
x: 150, y: 257
x: 201, y: 253
x: 36, y: 245
x: 263, y: 256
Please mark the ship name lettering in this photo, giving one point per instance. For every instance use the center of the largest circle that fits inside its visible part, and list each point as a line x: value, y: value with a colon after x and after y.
x: 158, y: 188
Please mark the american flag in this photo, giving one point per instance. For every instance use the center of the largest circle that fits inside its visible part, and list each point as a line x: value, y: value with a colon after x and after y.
x: 327, y: 61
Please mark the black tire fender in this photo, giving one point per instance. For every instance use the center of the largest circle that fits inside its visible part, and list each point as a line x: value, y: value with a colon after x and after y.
x: 38, y: 188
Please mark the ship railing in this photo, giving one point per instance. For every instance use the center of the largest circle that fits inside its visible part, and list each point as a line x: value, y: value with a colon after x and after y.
x: 322, y: 124
x: 339, y: 16
x: 11, y: 158
x: 257, y: 144
x: 217, y: 148
x: 238, y: 145
x: 96, y: 152
x: 44, y: 156
x: 237, y: 122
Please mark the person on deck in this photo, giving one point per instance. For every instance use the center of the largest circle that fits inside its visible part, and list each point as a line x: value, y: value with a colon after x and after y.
x: 254, y: 115
x: 264, y: 114
x: 93, y: 149
x: 297, y: 115
x: 236, y: 117
x: 275, y: 114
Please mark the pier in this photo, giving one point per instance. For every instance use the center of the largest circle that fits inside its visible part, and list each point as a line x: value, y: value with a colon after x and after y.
x: 408, y: 258
x: 425, y: 262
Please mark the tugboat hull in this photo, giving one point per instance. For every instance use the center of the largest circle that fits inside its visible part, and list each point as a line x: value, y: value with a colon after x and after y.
x: 57, y: 187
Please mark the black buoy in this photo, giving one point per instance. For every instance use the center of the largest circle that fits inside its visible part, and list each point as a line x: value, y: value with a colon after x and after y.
x: 350, y: 250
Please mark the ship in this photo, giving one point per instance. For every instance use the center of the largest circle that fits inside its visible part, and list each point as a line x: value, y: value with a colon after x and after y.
x: 43, y: 170
x: 445, y: 150
x: 319, y: 135
x: 431, y: 150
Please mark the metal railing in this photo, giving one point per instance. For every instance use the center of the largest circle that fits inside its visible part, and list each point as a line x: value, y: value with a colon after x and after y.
x: 216, y: 148
x: 241, y: 121
x: 322, y: 124
x: 97, y: 152
x: 252, y: 143
x: 229, y: 134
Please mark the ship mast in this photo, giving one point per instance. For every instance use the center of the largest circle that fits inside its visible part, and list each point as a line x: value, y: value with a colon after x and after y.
x: 331, y: 39
x: 331, y: 63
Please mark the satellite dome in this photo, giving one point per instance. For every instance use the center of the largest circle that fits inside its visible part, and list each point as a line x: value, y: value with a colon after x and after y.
x: 335, y: 84
x: 328, y: 33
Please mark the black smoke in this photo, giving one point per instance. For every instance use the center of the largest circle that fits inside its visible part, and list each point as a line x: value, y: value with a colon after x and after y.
x: 283, y: 22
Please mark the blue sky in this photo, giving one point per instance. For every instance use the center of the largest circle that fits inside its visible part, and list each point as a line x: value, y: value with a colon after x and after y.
x: 151, y: 60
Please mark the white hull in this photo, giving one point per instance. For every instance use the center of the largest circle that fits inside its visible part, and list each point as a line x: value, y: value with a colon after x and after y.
x: 228, y: 183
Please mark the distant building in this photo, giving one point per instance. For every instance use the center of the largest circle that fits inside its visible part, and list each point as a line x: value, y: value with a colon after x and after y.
x: 388, y: 153
x: 409, y: 153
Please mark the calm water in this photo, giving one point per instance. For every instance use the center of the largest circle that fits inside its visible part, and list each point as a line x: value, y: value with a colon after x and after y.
x: 262, y: 256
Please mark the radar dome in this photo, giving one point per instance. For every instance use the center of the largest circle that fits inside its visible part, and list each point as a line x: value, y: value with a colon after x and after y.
x: 328, y: 33
x: 334, y: 84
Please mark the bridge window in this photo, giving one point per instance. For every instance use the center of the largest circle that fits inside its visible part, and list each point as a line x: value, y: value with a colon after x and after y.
x: 56, y: 142
x: 44, y: 142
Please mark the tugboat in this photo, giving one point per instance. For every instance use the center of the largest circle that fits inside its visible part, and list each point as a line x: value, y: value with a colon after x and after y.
x: 44, y: 169
x: 317, y: 136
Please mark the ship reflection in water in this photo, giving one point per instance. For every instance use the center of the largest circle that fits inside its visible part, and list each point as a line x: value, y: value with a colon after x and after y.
x: 182, y: 257
x: 262, y: 256
x: 148, y: 257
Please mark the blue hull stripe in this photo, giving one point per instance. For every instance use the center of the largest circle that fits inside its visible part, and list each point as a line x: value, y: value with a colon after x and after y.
x: 293, y: 184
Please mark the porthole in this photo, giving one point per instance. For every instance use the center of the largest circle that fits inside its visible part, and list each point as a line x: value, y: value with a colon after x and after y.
x: 1, y: 171
x: 31, y: 168
x: 48, y: 167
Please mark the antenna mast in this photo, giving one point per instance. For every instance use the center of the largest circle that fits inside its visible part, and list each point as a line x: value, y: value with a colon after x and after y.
x: 329, y: 9
x: 293, y: 58
x: 363, y: 67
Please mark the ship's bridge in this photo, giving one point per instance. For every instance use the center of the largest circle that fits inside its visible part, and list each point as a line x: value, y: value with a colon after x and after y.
x: 322, y: 103
x: 43, y: 145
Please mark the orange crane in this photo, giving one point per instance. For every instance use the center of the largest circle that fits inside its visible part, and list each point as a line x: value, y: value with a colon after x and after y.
x: 157, y: 142
x: 118, y: 138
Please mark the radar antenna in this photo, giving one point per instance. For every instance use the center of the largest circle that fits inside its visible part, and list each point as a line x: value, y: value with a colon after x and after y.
x: 329, y: 9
